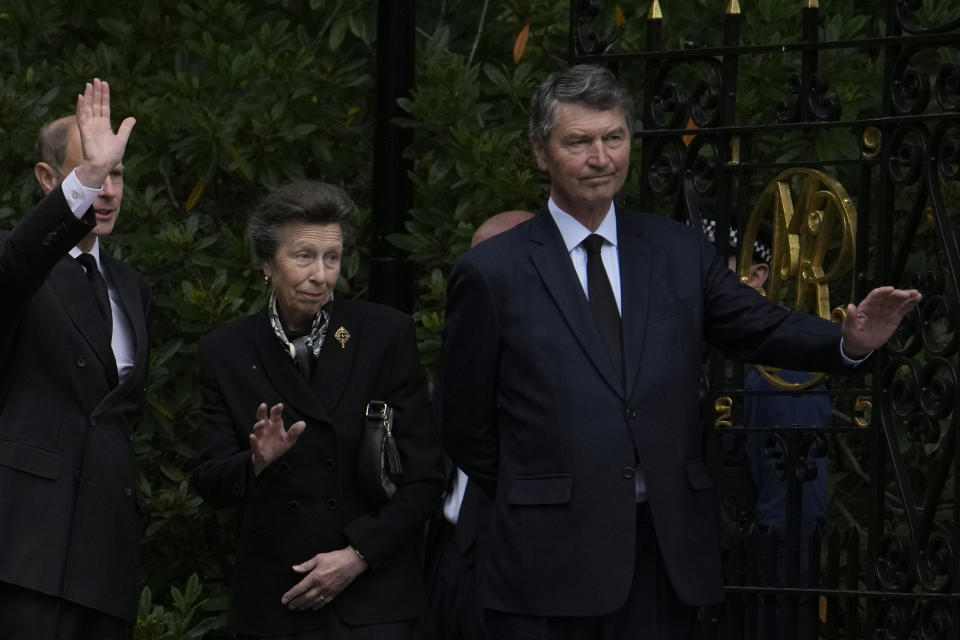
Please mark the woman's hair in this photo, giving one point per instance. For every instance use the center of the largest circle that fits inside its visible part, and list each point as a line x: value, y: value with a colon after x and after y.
x: 306, y: 201
x: 586, y: 84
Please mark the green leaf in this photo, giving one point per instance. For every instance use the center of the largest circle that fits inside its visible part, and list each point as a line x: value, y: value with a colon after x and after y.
x: 114, y: 27
x: 302, y: 130
x: 172, y: 473
x: 146, y: 600
x: 159, y: 357
x: 360, y: 27
x: 337, y: 31
x: 440, y: 169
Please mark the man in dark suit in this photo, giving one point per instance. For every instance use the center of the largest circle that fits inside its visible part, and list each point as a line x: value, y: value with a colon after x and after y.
x: 73, y: 365
x: 453, y: 611
x: 571, y: 368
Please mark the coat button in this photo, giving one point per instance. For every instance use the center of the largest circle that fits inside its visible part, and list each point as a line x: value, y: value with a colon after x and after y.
x: 284, y: 466
x: 127, y: 491
x: 237, y: 490
x: 628, y: 472
x: 330, y: 464
x: 332, y: 504
x: 633, y: 414
x: 81, y: 361
x: 293, y: 506
x: 93, y: 421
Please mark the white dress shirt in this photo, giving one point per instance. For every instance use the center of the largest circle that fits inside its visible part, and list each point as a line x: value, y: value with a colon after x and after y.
x: 453, y: 499
x: 574, y: 233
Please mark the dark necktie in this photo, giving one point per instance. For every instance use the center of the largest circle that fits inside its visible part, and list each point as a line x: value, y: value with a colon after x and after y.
x: 603, y: 304
x: 99, y: 287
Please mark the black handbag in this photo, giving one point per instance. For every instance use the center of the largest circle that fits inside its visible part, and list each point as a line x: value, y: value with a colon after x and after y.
x: 379, y: 469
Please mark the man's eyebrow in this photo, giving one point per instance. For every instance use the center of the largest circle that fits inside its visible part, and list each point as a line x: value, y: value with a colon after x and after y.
x: 575, y: 133
x: 578, y: 133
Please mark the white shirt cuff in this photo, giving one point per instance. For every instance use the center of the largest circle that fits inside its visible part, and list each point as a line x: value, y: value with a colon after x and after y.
x: 79, y: 197
x: 847, y: 360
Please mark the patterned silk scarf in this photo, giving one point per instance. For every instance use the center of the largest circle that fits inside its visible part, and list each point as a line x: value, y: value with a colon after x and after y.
x: 303, y: 350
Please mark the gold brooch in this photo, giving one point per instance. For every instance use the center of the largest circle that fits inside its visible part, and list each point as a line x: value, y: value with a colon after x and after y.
x: 342, y: 335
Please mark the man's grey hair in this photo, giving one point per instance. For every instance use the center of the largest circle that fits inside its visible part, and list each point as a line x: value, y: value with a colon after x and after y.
x: 306, y: 201
x: 587, y: 84
x: 52, y: 141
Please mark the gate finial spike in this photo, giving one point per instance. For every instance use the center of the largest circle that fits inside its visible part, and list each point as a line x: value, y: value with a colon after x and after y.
x: 811, y: 4
x: 655, y: 13
x: 733, y: 9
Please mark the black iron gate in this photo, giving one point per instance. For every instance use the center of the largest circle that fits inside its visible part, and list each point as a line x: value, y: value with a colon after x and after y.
x: 854, y: 197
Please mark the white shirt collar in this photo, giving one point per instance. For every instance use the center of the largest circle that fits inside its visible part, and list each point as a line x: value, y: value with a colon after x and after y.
x: 95, y: 252
x: 573, y: 231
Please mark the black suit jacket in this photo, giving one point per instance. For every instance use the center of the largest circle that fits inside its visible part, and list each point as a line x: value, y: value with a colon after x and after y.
x: 306, y: 502
x: 534, y: 412
x: 69, y: 517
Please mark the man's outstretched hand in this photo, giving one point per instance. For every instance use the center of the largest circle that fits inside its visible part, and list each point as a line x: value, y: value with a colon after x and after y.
x: 870, y: 324
x: 102, y: 148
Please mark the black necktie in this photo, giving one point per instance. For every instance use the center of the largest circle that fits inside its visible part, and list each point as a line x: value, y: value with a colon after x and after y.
x: 603, y: 304
x: 99, y: 287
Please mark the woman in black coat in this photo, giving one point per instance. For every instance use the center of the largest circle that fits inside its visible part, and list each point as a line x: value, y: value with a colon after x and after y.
x: 284, y: 397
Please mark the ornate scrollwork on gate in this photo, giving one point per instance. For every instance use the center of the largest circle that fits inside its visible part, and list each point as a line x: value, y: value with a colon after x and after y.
x: 918, y: 401
x: 587, y: 39
x: 908, y: 15
x: 821, y: 103
x: 807, y: 449
x: 814, y: 225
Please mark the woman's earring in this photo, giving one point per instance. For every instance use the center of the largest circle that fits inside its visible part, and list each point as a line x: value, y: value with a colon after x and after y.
x: 266, y: 280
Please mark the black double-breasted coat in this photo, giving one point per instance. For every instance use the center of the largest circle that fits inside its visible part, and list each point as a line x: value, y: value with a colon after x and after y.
x: 306, y: 502
x: 69, y: 516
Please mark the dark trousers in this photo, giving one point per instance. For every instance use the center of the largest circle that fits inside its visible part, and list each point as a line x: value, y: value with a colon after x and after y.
x: 30, y: 615
x: 652, y: 610
x: 453, y: 610
x: 334, y: 628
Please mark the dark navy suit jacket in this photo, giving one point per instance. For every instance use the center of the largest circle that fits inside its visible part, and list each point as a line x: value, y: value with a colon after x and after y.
x: 534, y: 412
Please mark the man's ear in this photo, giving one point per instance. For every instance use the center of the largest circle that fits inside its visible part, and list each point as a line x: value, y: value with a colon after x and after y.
x: 758, y: 275
x: 47, y: 176
x: 538, y: 153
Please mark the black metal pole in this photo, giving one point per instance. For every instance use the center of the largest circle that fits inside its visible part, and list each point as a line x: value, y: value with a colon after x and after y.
x: 391, y: 280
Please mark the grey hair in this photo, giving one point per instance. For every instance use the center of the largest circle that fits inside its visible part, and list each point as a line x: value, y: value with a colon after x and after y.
x: 587, y: 84
x: 52, y: 141
x: 306, y: 201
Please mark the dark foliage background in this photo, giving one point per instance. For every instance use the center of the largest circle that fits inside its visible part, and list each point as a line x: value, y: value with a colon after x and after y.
x: 235, y: 97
